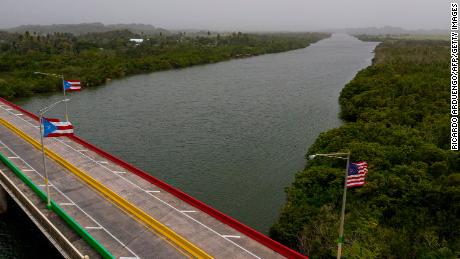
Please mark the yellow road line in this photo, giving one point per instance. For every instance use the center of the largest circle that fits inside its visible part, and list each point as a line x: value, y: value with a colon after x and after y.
x: 111, y: 195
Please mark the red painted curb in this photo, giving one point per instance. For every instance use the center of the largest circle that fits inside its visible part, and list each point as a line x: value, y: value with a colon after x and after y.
x: 250, y: 232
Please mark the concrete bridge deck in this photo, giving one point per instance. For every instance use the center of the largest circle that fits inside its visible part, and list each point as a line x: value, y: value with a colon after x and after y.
x: 127, y: 214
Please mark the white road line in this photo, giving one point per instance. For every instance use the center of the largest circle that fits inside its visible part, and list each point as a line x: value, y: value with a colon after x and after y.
x: 231, y: 236
x: 44, y: 185
x: 66, y: 204
x: 79, y: 208
x: 188, y: 211
x: 119, y: 172
x: 93, y: 227
x: 169, y: 205
x: 152, y: 191
x: 82, y: 150
x: 13, y: 157
x: 19, y: 114
x: 100, y: 162
x: 28, y: 170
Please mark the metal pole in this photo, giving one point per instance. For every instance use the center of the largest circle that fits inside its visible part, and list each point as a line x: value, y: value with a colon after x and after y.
x: 342, y: 217
x: 63, y: 89
x: 48, y: 202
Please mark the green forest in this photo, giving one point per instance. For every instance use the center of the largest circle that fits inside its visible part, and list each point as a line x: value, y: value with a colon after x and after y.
x: 396, y: 117
x: 95, y: 58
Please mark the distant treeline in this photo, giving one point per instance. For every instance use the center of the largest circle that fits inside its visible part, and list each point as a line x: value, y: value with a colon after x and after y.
x: 84, y: 28
x: 397, y: 118
x: 95, y: 58
x: 390, y: 37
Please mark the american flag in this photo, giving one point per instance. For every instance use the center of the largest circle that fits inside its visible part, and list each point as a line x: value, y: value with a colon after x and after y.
x: 356, y: 174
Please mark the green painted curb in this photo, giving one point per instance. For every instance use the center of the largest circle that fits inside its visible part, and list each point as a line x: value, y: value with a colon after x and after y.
x: 58, y: 210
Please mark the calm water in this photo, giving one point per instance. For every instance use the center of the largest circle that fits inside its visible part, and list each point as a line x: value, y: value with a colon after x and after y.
x: 231, y: 134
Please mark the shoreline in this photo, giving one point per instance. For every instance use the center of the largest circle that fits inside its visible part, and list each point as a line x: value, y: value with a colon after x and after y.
x: 98, y: 62
x: 395, y: 118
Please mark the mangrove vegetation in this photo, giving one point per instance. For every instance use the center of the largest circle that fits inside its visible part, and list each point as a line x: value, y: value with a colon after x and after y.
x: 95, y: 58
x: 397, y: 118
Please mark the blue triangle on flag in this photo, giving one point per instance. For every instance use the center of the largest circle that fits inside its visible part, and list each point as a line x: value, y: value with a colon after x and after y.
x: 67, y: 85
x: 48, y: 127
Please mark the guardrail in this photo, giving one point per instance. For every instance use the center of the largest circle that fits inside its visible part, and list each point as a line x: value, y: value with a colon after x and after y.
x: 250, y: 232
x: 58, y: 210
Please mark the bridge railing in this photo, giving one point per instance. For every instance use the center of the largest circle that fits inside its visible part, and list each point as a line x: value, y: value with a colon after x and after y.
x: 60, y: 212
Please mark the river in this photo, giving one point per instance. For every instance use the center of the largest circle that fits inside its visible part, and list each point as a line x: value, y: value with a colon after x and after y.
x: 232, y: 134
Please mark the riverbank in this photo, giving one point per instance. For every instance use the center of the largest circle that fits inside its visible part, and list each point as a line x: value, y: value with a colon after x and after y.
x: 96, y: 58
x: 396, y: 118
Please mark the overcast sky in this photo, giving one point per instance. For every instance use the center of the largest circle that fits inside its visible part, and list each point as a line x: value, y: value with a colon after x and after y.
x: 232, y: 14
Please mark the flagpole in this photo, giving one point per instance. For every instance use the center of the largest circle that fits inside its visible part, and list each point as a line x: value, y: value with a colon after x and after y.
x: 63, y: 89
x: 342, y: 216
x: 41, y: 113
x: 48, y: 196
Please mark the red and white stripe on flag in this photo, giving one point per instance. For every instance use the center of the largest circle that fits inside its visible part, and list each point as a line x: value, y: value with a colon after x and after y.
x: 75, y: 85
x: 357, y: 174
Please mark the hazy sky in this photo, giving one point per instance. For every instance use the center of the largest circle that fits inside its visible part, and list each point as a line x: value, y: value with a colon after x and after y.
x: 232, y: 14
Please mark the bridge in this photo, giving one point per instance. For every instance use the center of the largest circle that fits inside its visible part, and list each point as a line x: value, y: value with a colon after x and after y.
x: 103, y: 207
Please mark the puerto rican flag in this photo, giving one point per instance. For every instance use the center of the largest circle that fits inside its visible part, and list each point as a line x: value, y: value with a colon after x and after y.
x: 72, y: 85
x: 356, y: 174
x: 56, y: 128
